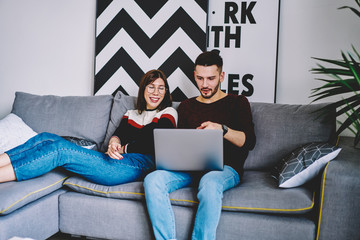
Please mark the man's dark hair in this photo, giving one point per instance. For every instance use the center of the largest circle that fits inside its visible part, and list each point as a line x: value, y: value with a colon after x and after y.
x: 210, y: 58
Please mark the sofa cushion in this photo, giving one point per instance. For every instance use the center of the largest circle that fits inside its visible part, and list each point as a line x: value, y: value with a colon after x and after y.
x: 13, y: 132
x: 257, y: 193
x: 105, y: 218
x: 77, y: 116
x: 280, y: 128
x: 14, y: 195
x: 303, y: 164
x: 132, y: 190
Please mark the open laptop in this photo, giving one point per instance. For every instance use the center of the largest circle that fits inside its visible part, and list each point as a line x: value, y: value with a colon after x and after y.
x: 188, y: 149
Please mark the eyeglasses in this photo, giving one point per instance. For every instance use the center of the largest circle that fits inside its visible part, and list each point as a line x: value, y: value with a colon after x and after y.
x: 151, y: 89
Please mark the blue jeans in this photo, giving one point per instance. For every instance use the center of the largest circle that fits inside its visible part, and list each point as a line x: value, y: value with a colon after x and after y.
x: 160, y: 183
x: 47, y: 151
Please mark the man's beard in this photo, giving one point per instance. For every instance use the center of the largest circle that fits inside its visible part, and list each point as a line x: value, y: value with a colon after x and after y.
x: 213, y: 92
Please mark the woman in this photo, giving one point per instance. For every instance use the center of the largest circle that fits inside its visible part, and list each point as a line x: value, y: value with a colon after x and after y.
x: 130, y: 154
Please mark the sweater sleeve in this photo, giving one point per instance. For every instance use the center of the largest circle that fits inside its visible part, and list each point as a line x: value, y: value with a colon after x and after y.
x: 243, y: 117
x: 144, y: 143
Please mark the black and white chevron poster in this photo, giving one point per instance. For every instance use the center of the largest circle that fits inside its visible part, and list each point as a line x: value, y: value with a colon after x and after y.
x: 135, y: 36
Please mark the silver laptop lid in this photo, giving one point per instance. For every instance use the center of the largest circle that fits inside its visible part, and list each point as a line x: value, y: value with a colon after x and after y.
x: 188, y: 149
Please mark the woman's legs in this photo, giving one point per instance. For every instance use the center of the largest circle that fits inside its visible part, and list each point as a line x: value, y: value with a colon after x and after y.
x: 21, y: 154
x: 4, y: 160
x: 6, y: 170
x: 45, y: 152
x: 39, y: 139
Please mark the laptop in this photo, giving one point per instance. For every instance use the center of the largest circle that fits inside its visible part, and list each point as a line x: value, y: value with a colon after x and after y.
x: 188, y: 149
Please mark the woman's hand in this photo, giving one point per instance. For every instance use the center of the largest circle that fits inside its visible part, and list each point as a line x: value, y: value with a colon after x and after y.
x: 115, y: 149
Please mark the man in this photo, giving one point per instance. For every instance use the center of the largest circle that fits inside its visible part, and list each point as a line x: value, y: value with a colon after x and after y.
x: 212, y: 109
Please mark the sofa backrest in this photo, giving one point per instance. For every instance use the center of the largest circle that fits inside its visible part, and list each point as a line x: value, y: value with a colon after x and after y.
x: 84, y: 117
x: 280, y: 128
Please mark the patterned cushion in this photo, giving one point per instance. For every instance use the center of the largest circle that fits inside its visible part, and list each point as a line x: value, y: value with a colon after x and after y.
x: 303, y: 164
x: 81, y: 142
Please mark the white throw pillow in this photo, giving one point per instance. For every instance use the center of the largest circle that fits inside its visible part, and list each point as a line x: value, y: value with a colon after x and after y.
x: 13, y: 132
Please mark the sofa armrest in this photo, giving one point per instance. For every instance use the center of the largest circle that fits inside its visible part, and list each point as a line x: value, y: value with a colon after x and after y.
x: 340, y: 196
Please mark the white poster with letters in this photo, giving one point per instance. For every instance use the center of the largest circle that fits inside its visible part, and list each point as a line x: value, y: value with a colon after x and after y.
x: 246, y: 33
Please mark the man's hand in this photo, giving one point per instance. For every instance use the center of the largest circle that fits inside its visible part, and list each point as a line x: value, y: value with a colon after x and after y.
x: 115, y: 150
x: 235, y: 137
x: 210, y: 125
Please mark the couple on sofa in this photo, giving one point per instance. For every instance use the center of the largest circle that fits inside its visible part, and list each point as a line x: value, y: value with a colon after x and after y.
x: 130, y: 154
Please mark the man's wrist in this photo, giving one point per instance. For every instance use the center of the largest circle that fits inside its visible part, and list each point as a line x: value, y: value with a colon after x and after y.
x: 225, y: 129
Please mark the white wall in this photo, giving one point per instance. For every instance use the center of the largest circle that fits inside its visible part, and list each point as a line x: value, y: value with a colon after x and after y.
x: 309, y: 29
x: 47, y: 46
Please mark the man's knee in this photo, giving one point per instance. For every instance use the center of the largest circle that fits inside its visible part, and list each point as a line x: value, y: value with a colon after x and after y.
x: 209, y: 188
x: 154, y: 179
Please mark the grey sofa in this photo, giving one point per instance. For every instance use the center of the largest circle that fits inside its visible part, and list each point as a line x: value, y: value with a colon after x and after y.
x: 325, y: 208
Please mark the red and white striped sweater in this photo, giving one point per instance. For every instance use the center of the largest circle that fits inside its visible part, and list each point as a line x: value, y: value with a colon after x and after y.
x: 136, y: 130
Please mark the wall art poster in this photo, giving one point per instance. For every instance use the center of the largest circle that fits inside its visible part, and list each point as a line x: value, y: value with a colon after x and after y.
x: 246, y: 33
x: 135, y: 36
